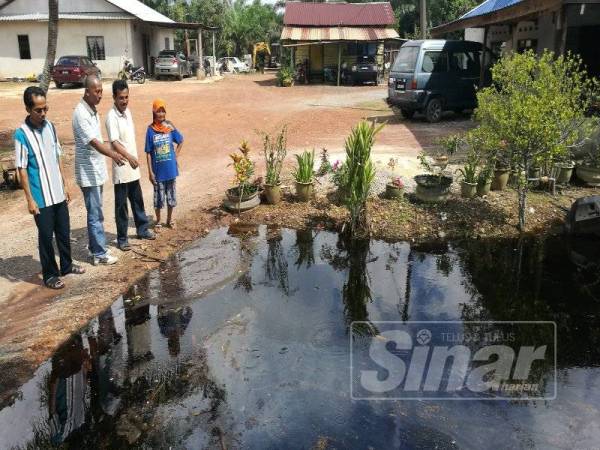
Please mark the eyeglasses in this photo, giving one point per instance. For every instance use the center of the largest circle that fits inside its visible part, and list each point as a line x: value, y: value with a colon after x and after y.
x: 40, y: 110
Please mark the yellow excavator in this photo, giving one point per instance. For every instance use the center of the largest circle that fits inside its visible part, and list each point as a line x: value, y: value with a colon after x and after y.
x: 261, y: 49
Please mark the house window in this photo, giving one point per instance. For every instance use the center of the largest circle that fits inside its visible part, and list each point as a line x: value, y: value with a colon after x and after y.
x: 526, y: 44
x: 24, y: 50
x: 167, y: 44
x: 95, y: 47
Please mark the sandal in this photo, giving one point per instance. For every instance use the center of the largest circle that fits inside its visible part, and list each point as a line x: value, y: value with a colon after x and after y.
x: 76, y: 270
x: 170, y: 225
x: 54, y: 283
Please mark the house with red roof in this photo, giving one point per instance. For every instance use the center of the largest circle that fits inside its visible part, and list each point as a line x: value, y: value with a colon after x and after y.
x: 339, y: 42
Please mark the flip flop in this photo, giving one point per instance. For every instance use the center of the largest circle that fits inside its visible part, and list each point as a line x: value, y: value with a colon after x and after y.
x: 76, y: 270
x: 54, y: 283
x: 171, y: 225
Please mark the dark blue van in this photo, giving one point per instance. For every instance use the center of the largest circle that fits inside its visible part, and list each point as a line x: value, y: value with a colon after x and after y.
x: 433, y: 76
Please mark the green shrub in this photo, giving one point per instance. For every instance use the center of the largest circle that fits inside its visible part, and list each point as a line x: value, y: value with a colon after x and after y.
x: 274, y: 150
x: 304, y: 171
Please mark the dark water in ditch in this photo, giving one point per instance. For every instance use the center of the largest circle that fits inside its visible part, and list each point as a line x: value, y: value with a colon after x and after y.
x: 242, y: 341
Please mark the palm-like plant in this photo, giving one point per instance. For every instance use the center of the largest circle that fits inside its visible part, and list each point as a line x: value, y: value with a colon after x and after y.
x: 304, y: 172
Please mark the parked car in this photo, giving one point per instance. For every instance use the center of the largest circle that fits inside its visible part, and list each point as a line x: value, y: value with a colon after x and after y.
x: 433, y: 76
x: 171, y: 63
x: 232, y: 64
x: 73, y: 70
x: 364, y: 70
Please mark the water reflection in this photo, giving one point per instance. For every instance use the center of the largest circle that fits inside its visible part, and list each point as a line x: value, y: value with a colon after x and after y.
x: 259, y: 358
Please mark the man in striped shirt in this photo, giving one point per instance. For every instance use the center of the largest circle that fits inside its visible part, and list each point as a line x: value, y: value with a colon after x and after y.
x: 90, y: 166
x: 38, y: 159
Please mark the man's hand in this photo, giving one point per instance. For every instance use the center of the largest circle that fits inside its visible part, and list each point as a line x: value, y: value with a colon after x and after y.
x: 152, y: 179
x: 118, y: 158
x: 68, y: 196
x: 33, y: 207
x: 133, y: 162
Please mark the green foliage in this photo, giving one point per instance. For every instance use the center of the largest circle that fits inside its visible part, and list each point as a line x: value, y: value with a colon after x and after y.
x: 240, y: 24
x: 533, y: 112
x: 451, y: 144
x: 469, y: 171
x: 325, y: 166
x: 360, y: 172
x: 285, y: 76
x: 304, y: 172
x: 340, y: 175
x: 274, y: 150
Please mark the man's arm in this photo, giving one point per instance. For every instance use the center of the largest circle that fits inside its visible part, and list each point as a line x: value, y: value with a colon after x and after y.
x: 31, y: 204
x: 61, y: 167
x: 133, y: 162
x: 106, y: 149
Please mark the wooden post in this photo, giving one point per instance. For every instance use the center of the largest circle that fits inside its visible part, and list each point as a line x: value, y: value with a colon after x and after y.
x: 214, y: 65
x: 423, y: 14
x: 483, y: 51
x: 562, y: 35
x: 200, y: 71
x: 339, y: 71
x: 187, y: 44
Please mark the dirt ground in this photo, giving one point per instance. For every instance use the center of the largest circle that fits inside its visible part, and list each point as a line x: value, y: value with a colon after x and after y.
x: 214, y: 118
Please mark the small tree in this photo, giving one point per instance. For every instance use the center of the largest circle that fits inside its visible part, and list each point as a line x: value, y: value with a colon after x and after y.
x: 360, y: 172
x: 534, y: 110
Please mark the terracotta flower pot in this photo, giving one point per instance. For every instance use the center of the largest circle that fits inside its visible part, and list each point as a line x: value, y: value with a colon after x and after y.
x: 500, y: 179
x: 565, y: 172
x: 483, y: 188
x: 468, y: 190
x: 273, y: 193
x: 304, y: 191
x: 393, y: 192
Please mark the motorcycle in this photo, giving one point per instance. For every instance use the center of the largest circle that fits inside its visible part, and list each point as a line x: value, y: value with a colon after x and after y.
x: 137, y: 74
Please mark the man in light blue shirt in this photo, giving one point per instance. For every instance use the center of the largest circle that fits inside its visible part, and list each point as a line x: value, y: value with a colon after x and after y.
x: 90, y: 166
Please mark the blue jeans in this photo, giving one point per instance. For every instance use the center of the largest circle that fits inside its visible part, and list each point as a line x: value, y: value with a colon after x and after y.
x: 92, y: 197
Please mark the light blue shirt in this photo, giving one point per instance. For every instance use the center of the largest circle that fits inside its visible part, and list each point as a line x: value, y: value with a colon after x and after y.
x: 90, y: 164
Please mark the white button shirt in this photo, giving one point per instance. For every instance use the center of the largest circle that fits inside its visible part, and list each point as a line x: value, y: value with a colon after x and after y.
x: 90, y: 164
x: 120, y: 128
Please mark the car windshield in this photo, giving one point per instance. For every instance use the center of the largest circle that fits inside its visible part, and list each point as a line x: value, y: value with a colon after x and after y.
x: 68, y: 61
x: 166, y: 54
x: 406, y: 61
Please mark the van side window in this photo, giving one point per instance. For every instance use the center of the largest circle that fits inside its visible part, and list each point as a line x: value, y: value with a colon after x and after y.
x: 435, y: 62
x: 466, y: 63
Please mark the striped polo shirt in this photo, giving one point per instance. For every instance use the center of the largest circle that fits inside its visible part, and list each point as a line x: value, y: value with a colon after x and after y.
x: 90, y: 164
x: 38, y: 150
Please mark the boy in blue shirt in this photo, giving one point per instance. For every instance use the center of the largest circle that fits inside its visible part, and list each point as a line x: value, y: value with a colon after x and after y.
x: 162, y: 155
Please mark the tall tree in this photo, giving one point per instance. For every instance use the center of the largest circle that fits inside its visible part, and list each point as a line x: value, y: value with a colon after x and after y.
x: 52, y: 40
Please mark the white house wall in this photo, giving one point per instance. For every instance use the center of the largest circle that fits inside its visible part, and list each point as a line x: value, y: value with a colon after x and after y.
x: 64, y: 6
x: 71, y: 41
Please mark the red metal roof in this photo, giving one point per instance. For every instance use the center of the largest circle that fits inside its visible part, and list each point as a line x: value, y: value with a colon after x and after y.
x: 334, y: 14
x: 367, y: 34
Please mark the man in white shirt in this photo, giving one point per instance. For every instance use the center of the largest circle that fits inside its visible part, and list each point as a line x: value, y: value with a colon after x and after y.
x: 126, y: 178
x: 90, y: 166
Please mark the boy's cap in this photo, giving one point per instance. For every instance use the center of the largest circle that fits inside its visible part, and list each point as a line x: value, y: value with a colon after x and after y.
x: 159, y: 103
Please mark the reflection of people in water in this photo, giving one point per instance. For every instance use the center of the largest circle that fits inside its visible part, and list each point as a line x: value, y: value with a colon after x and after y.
x: 105, y: 379
x: 68, y: 401
x: 172, y: 324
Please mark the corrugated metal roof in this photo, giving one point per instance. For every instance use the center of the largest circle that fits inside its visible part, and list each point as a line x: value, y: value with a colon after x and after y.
x: 489, y: 6
x: 62, y: 16
x: 337, y: 34
x: 344, y: 14
x: 141, y: 11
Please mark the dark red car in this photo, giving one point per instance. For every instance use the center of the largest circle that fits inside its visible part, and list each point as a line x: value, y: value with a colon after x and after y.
x: 73, y: 69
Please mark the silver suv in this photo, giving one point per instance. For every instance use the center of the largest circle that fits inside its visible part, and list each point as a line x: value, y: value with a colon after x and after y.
x: 172, y: 64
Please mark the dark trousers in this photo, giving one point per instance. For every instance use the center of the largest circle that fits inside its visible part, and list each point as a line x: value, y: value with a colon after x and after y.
x: 133, y: 192
x: 54, y: 221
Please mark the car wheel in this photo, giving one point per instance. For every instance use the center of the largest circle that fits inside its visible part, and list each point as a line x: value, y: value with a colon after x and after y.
x: 434, y: 110
x: 180, y: 76
x: 58, y: 85
x: 407, y: 113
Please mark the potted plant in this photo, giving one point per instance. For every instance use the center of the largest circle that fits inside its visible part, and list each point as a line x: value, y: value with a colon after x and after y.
x: 588, y: 169
x: 245, y: 194
x: 303, y: 175
x: 274, y: 150
x: 468, y: 187
x: 395, y: 188
x: 484, y: 180
x: 501, y: 169
x: 285, y: 77
x: 431, y: 187
x: 450, y: 145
